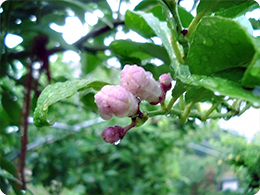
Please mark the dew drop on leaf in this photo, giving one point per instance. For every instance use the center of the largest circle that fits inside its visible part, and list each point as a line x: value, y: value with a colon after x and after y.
x: 45, y: 107
x: 205, y: 58
x: 117, y: 142
x: 208, y: 42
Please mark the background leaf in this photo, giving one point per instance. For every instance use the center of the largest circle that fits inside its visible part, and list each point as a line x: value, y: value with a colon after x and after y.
x: 139, y: 50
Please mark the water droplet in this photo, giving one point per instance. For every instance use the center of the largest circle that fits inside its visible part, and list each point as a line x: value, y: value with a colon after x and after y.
x: 256, y: 91
x: 210, y: 83
x: 233, y: 40
x: 117, y: 142
x: 232, y: 37
x: 217, y: 93
x: 208, y: 42
x: 196, y: 60
x: 168, y: 115
x: 256, y: 105
x: 45, y: 107
x: 205, y: 58
x: 226, y: 97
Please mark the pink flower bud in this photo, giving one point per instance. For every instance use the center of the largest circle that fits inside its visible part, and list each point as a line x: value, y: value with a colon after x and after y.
x: 115, y: 100
x: 166, y: 82
x: 141, y: 83
x: 113, y: 134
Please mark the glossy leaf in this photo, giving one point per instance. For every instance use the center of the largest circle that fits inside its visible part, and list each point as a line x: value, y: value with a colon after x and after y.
x: 200, y: 94
x: 185, y: 16
x: 152, y: 24
x: 58, y: 91
x: 89, y: 62
x: 251, y: 77
x: 225, y: 7
x: 136, y: 22
x: 223, y: 87
x: 137, y: 50
x: 218, y: 44
x: 239, y: 9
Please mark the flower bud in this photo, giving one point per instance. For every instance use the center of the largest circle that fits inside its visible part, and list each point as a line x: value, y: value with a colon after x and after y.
x: 113, y: 134
x: 115, y: 100
x: 166, y: 82
x: 141, y: 83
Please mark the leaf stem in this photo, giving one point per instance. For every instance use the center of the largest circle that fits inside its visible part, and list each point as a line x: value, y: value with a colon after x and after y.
x: 170, y: 104
x: 181, y: 102
x: 186, y: 112
x: 176, y: 48
x: 244, y: 109
x: 192, y: 114
x: 210, y: 110
x: 195, y: 21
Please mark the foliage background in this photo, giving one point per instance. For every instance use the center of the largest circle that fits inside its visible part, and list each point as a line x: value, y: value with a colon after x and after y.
x: 159, y: 157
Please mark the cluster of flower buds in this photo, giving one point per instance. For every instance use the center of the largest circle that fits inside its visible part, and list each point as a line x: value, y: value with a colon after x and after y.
x: 123, y: 100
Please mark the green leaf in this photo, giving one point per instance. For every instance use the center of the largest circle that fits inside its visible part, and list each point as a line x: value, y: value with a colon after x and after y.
x: 89, y: 62
x: 13, y: 177
x: 58, y: 91
x: 11, y: 106
x: 78, y: 7
x: 251, y: 76
x: 255, y: 23
x: 152, y: 24
x: 136, y: 22
x: 200, y: 94
x: 225, y: 7
x: 238, y: 10
x: 8, y: 166
x: 88, y: 101
x: 145, y: 5
x: 137, y: 50
x: 222, y: 86
x: 218, y: 44
x: 185, y: 17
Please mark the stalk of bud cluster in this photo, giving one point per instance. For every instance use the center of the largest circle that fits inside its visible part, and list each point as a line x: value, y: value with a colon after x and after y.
x: 141, y: 83
x: 114, y: 100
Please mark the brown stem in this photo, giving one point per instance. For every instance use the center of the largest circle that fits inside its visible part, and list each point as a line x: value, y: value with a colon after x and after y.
x: 24, y: 127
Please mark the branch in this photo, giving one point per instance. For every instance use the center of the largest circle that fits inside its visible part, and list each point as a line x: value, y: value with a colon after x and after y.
x: 96, y: 32
x: 78, y: 44
x: 49, y: 139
